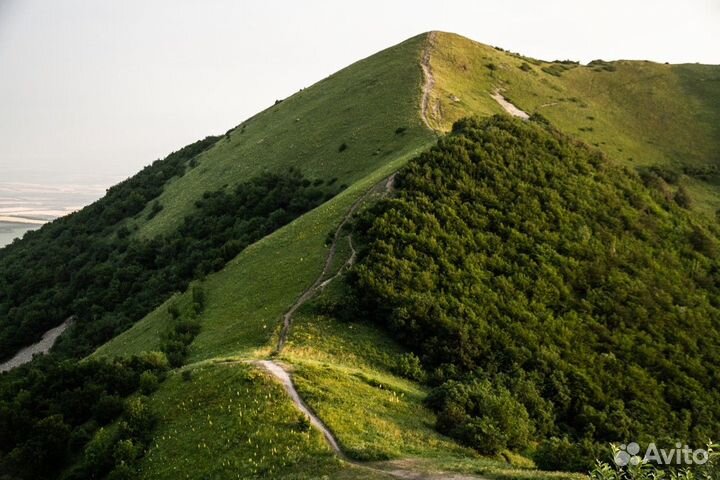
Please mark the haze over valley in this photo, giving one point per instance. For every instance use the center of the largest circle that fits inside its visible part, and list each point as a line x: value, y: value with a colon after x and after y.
x: 26, y: 206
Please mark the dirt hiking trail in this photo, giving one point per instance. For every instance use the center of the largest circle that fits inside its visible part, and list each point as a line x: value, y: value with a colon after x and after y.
x: 428, y: 84
x: 284, y: 377
x: 383, y: 187
x: 403, y: 469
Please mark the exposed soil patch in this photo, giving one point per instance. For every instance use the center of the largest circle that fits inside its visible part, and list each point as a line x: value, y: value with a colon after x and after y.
x: 509, y: 107
x: 43, y: 346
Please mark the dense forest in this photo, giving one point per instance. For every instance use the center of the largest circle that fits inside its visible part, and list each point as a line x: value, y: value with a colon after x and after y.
x: 77, y: 420
x: 557, y: 301
x: 90, y: 266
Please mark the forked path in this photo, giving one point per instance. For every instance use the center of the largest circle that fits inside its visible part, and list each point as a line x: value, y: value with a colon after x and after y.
x: 384, y: 186
x: 391, y: 469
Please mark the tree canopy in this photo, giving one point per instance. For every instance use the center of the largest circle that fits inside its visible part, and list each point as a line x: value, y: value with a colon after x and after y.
x: 519, y: 263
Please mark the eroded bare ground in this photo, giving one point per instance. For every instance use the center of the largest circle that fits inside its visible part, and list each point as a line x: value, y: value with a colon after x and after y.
x: 426, y: 109
x: 508, y: 106
x: 43, y: 346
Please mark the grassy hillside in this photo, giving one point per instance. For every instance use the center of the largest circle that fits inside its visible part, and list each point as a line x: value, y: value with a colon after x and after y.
x: 230, y: 421
x: 639, y: 113
x: 370, y: 108
x: 330, y: 359
x: 219, y: 416
x: 245, y: 301
x: 343, y: 129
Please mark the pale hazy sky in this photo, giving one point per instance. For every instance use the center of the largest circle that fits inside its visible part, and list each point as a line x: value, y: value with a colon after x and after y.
x: 98, y: 88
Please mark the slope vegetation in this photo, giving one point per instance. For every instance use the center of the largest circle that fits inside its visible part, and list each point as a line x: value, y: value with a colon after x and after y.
x: 548, y: 292
x: 343, y: 127
x: 642, y: 114
x: 340, y: 130
x: 337, y: 366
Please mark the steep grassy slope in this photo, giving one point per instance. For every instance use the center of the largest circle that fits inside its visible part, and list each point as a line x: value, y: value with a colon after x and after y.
x: 361, y: 107
x: 343, y: 129
x: 639, y: 113
x: 245, y: 301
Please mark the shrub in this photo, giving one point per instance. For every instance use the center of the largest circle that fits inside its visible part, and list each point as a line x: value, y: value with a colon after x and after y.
x: 154, y: 210
x: 126, y: 451
x: 682, y: 198
x: 108, y: 408
x: 602, y: 66
x: 703, y: 242
x: 343, y: 146
x: 154, y: 360
x: 176, y: 351
x: 303, y: 423
x: 481, y: 415
x: 558, y: 67
x: 174, y: 311
x: 408, y: 365
x: 198, y: 299
x: 149, y: 382
x: 139, y: 419
x: 539, y: 118
x: 566, y: 455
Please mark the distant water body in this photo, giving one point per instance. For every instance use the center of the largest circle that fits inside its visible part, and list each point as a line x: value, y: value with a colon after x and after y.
x: 27, y: 206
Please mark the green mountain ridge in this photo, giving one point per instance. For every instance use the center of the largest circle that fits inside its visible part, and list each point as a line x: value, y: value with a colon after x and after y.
x: 218, y: 415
